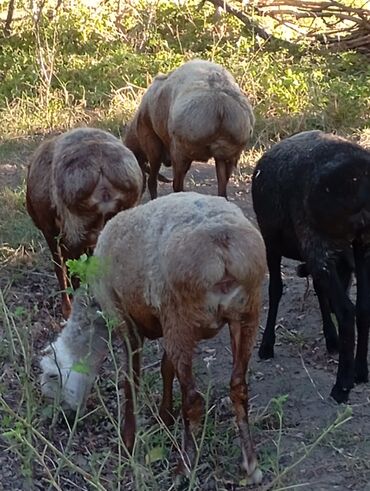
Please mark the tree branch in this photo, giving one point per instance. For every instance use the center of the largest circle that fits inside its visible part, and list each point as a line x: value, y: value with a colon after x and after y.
x: 249, y: 24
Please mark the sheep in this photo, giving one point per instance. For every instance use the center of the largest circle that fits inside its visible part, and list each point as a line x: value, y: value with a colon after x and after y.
x: 76, y: 182
x: 193, y: 113
x: 180, y: 267
x: 311, y: 196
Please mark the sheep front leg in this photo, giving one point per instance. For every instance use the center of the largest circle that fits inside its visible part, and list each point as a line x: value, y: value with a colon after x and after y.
x: 362, y: 264
x: 130, y: 385
x: 329, y: 329
x: 155, y: 165
x: 224, y: 169
x: 168, y: 374
x: 242, y: 340
x: 180, y: 165
x: 60, y: 272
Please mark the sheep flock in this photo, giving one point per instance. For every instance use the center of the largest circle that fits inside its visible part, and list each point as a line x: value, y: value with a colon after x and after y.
x: 183, y: 266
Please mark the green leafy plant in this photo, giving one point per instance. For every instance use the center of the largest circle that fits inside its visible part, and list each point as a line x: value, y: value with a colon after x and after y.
x: 86, y: 268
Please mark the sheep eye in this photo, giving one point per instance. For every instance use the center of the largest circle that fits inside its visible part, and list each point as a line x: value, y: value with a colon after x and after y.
x: 54, y: 377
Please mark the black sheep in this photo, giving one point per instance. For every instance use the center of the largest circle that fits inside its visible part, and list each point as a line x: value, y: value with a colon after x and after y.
x: 311, y: 196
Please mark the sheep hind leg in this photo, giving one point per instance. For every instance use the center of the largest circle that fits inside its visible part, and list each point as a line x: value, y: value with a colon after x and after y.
x: 168, y: 374
x: 362, y: 312
x: 344, y: 268
x: 242, y: 340
x: 192, y: 408
x: 331, y: 286
x: 266, y: 349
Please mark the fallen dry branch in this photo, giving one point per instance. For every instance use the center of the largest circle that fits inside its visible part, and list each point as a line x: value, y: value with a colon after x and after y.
x: 249, y: 23
x: 329, y: 22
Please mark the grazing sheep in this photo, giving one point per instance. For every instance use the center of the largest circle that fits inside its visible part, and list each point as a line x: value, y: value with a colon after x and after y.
x: 180, y: 267
x: 194, y: 113
x: 76, y: 182
x: 311, y: 195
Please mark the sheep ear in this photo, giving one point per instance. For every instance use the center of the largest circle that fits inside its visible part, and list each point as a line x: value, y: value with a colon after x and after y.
x: 47, y: 351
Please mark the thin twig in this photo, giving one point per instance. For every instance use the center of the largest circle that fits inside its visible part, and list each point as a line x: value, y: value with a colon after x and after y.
x: 310, y: 378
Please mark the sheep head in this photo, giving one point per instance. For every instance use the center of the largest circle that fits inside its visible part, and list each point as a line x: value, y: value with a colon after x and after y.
x: 70, y: 364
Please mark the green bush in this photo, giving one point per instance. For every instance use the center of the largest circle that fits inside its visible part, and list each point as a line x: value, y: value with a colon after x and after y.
x: 101, y: 62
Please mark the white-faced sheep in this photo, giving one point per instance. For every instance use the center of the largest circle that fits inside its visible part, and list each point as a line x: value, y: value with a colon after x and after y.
x: 194, y: 113
x: 180, y: 267
x: 76, y: 182
x: 311, y: 195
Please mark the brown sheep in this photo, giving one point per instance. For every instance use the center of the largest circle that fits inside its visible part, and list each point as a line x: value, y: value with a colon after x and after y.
x: 76, y: 182
x: 194, y: 113
x: 180, y: 267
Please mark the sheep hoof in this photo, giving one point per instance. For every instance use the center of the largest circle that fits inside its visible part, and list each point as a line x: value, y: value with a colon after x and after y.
x: 182, y: 472
x: 265, y: 352
x: 339, y: 394
x: 332, y: 346
x: 302, y: 270
x: 167, y: 417
x: 66, y: 310
x: 181, y: 482
x: 256, y: 476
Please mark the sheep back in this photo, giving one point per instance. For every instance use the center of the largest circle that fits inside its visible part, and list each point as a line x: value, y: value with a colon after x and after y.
x: 314, y: 178
x: 81, y: 175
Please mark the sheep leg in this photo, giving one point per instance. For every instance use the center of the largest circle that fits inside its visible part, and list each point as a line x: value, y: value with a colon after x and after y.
x: 330, y: 331
x: 192, y: 407
x: 242, y: 339
x: 344, y: 269
x: 71, y: 254
x: 155, y: 165
x: 362, y: 265
x: 224, y: 169
x: 192, y: 411
x: 168, y: 374
x: 60, y: 271
x: 131, y: 384
x: 331, y: 286
x: 275, y: 291
x: 180, y: 168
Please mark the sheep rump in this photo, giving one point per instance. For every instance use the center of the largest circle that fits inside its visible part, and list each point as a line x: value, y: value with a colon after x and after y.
x: 195, y: 250
x: 194, y: 113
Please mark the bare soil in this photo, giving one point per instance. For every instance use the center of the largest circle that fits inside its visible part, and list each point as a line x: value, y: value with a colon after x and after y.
x: 301, y: 370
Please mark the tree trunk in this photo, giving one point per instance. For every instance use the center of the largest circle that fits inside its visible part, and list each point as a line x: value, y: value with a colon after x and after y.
x: 9, y: 18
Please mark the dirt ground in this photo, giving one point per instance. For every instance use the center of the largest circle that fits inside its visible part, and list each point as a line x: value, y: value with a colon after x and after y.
x: 301, y: 370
